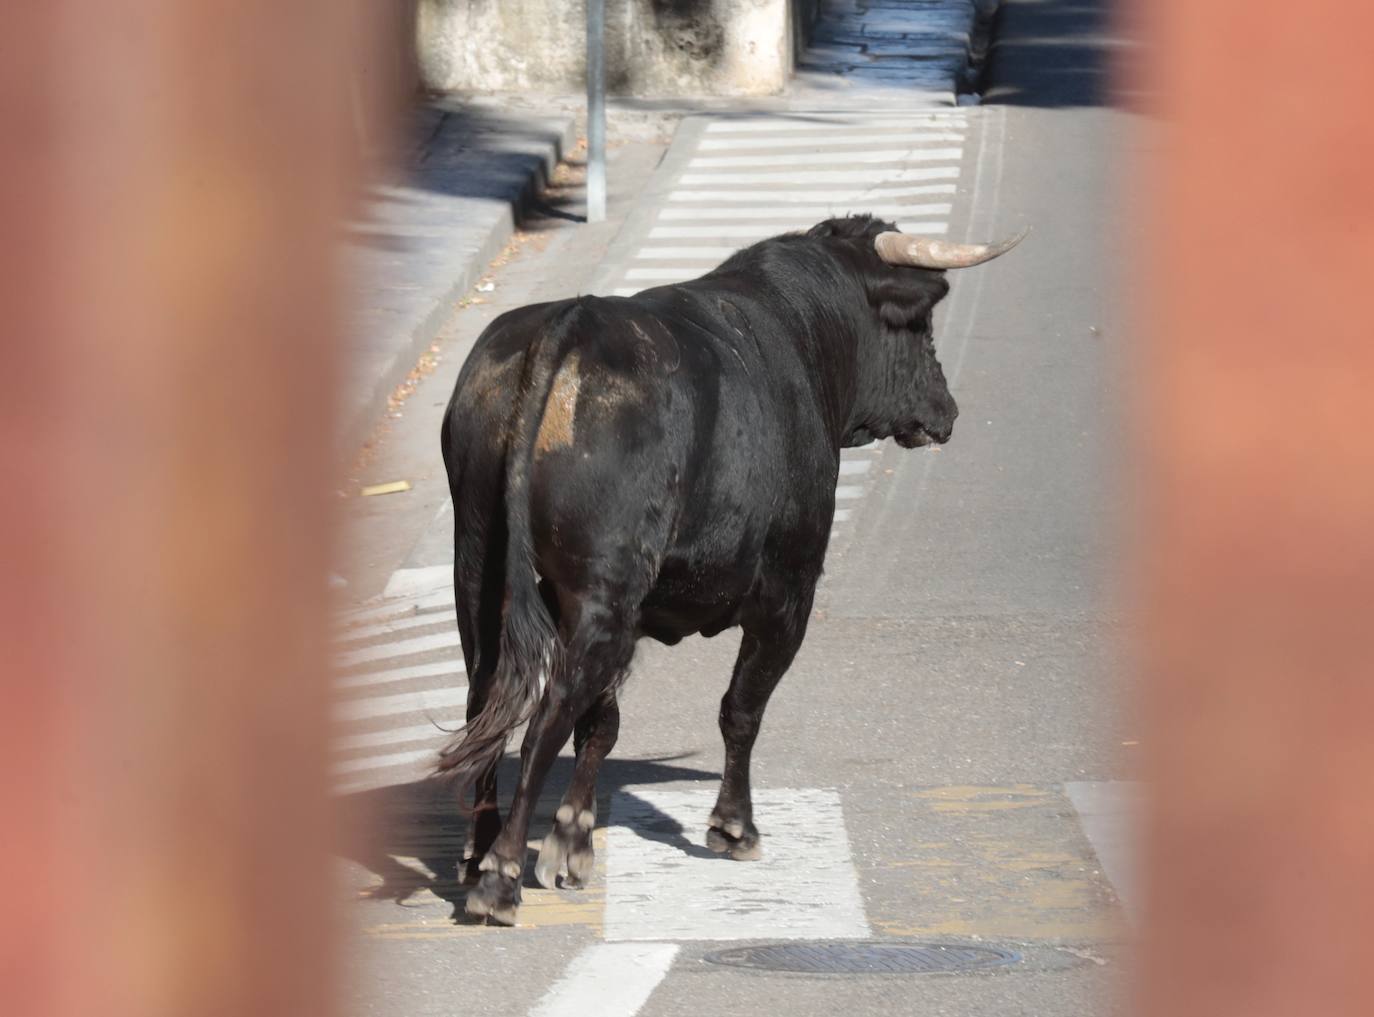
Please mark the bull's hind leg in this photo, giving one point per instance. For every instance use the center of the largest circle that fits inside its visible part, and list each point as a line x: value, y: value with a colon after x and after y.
x: 765, y: 654
x: 484, y: 821
x: 597, y: 655
x: 570, y: 841
x: 479, y: 623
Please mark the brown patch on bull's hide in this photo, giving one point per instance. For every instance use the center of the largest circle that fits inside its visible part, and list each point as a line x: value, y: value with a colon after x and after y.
x: 556, y: 429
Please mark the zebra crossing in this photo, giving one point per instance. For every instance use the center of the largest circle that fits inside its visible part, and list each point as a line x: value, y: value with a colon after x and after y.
x: 399, y: 687
x: 749, y: 178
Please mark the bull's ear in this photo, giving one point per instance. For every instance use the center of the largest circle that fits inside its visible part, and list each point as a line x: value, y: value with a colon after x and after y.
x: 905, y: 299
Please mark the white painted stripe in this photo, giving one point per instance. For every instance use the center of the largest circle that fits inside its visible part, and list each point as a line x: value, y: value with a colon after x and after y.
x: 399, y: 607
x: 437, y: 600
x: 893, y: 175
x: 850, y: 137
x: 402, y: 702
x: 1109, y: 811
x: 779, y: 196
x: 802, y: 211
x: 841, y: 515
x: 387, y: 628
x: 396, y: 736
x: 828, y: 158
x: 409, y: 582
x: 663, y: 274
x: 760, y: 230
x: 626, y: 291
x: 382, y: 762
x: 660, y: 885
x: 452, y: 667
x: 854, y: 467
x: 404, y: 648
x: 608, y: 980
x: 820, y: 126
x: 685, y: 253
x: 848, y: 492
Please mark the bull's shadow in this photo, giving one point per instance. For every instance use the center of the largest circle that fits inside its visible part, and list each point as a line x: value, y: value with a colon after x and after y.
x: 425, y: 820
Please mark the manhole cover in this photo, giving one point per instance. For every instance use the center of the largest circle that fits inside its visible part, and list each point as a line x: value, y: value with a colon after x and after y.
x: 864, y: 958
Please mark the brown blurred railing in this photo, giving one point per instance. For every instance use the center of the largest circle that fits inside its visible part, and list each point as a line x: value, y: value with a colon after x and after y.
x: 1255, y: 561
x: 173, y: 177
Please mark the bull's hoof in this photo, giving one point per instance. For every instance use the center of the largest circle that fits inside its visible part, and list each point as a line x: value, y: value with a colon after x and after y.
x: 738, y: 840
x: 568, y: 847
x: 497, y: 894
x: 469, y: 871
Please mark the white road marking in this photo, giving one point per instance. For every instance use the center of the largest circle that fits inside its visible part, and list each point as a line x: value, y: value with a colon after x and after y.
x: 685, y: 253
x: 759, y: 231
x: 383, y: 762
x: 829, y: 138
x: 820, y: 125
x: 841, y: 515
x: 386, y: 651
x: 439, y: 669
x: 775, y: 196
x: 402, y: 702
x: 893, y: 175
x: 854, y: 467
x: 408, y: 582
x: 387, y: 628
x: 848, y: 492
x: 1109, y: 812
x: 678, y: 274
x: 395, y: 736
x: 399, y: 607
x: 816, y: 212
x: 662, y: 883
x: 830, y: 158
x: 608, y: 980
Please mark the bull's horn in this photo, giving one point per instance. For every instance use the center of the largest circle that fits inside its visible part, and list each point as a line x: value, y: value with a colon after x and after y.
x: 927, y: 252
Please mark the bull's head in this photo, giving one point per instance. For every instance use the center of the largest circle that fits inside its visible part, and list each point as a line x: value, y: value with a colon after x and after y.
x: 902, y: 387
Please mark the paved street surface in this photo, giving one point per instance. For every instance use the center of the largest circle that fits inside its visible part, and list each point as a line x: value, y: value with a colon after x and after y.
x: 947, y: 761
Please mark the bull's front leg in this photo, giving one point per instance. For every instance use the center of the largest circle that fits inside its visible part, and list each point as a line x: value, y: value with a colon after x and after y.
x: 765, y: 654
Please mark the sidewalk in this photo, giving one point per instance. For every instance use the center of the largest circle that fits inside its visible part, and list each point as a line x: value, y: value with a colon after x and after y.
x: 426, y: 238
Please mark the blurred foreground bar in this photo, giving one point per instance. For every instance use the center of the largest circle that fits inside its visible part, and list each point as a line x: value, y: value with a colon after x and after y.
x: 172, y: 182
x: 1256, y: 548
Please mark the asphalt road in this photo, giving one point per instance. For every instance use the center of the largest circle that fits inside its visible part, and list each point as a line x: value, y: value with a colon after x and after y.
x: 943, y: 762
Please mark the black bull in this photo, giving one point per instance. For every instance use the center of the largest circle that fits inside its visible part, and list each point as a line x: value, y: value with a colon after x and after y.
x: 661, y: 465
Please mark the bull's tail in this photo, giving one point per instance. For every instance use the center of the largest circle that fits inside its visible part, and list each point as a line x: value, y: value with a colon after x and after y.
x: 529, y: 643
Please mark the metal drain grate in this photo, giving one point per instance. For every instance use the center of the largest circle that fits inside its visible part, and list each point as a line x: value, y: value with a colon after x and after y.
x: 848, y: 958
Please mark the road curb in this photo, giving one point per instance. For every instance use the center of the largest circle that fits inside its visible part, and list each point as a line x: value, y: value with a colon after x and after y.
x: 489, y: 224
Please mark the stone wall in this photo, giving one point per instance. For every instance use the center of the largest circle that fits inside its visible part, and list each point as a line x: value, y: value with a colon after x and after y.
x: 663, y: 48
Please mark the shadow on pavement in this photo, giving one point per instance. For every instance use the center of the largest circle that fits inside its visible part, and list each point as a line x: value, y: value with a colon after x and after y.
x: 424, y: 820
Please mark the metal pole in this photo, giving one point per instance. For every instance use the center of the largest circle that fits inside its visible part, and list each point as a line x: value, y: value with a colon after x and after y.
x: 596, y: 110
